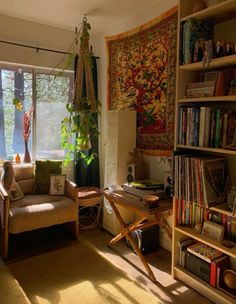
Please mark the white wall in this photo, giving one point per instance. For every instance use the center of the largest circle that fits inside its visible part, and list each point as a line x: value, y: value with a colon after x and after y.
x: 38, y: 35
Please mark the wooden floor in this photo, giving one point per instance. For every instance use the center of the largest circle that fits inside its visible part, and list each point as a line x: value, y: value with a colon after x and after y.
x: 166, y: 288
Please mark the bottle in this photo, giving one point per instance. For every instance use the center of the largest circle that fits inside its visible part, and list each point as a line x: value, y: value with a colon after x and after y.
x: 17, y: 159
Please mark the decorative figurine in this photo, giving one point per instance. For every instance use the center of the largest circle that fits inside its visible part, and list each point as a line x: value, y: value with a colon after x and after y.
x: 207, y: 54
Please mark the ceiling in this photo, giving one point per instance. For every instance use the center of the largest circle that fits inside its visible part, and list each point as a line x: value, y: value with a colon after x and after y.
x: 68, y: 14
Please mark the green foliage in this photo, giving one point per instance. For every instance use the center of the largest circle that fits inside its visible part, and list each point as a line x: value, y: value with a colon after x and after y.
x: 77, y: 130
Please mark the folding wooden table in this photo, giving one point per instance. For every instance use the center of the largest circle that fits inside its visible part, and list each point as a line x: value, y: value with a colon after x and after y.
x: 148, y: 218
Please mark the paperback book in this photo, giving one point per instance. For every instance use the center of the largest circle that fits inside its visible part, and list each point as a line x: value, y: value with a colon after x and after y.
x: 204, y: 252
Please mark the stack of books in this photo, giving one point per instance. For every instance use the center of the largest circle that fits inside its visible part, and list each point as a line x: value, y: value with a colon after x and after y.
x: 200, y: 89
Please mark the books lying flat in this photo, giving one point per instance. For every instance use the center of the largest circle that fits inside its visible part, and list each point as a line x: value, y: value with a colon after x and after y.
x: 204, y: 252
x: 147, y: 184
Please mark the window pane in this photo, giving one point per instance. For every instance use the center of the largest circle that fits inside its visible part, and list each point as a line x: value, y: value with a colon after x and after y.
x: 53, y: 92
x: 14, y: 84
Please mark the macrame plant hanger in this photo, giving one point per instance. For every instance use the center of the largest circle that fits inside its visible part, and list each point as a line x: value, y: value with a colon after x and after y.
x: 84, y: 71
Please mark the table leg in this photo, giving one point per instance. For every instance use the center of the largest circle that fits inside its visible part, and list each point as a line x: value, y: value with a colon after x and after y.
x: 163, y: 223
x: 125, y: 230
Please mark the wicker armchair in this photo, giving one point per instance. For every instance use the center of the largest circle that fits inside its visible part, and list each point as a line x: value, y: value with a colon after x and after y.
x: 35, y: 211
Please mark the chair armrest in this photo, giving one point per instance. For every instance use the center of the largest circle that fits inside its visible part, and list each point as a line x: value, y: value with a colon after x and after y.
x: 71, y: 190
x: 4, y: 206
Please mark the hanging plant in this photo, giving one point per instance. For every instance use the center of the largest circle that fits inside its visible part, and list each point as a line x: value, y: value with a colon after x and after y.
x: 81, y: 123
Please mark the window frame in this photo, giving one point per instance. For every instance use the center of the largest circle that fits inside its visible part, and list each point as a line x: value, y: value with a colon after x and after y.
x: 34, y: 70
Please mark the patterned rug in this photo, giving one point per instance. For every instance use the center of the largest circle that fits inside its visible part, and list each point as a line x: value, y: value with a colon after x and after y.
x: 142, y: 75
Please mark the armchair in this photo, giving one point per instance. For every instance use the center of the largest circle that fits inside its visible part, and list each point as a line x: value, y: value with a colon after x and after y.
x: 34, y: 211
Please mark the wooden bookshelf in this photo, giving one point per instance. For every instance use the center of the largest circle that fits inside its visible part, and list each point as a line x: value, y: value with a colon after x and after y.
x: 186, y: 73
x: 213, y: 99
x: 223, y: 62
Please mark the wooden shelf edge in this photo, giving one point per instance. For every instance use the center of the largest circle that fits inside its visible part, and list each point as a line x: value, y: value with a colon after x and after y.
x: 207, y: 149
x: 215, y: 63
x: 208, y: 99
x: 190, y: 279
x: 213, y: 12
x: 207, y: 240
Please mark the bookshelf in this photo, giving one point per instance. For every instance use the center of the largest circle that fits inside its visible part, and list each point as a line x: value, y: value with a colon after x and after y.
x: 222, y: 16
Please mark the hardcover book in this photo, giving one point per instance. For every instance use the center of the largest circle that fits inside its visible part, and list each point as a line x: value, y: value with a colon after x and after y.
x: 215, y: 180
x: 223, y: 260
x: 194, y: 29
x: 204, y: 251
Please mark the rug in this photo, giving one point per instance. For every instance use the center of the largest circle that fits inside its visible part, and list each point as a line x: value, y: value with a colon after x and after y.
x: 10, y: 291
x: 141, y: 76
x: 77, y: 274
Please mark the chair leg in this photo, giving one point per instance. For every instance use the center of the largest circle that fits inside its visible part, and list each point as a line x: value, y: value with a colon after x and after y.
x: 5, y: 244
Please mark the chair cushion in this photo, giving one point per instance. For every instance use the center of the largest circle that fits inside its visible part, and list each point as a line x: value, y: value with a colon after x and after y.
x: 38, y: 211
x: 15, y: 193
x: 43, y: 169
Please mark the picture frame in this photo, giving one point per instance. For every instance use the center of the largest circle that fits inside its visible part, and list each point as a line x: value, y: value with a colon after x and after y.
x: 57, y: 184
x: 213, y: 230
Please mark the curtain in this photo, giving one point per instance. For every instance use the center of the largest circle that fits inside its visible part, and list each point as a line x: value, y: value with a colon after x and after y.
x: 88, y: 175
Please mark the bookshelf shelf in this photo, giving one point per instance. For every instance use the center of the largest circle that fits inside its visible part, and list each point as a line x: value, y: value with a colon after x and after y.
x: 204, y: 121
x: 216, y: 14
x: 207, y: 240
x: 226, y: 61
x: 228, y: 98
x: 207, y: 149
x: 201, y: 286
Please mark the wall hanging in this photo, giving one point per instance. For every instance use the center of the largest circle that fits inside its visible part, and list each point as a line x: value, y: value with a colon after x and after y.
x: 141, y: 76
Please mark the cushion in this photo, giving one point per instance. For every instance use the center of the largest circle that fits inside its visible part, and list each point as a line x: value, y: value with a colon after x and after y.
x: 8, y: 180
x: 8, y: 175
x: 43, y: 170
x: 15, y: 193
x: 38, y: 211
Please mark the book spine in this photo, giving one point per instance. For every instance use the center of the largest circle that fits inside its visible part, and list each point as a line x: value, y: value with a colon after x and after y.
x: 207, y: 127
x: 203, y: 84
x: 202, y: 126
x: 217, y: 129
x: 212, y: 128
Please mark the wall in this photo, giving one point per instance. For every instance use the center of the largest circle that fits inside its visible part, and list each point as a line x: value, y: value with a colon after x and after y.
x: 31, y: 33
x: 119, y: 26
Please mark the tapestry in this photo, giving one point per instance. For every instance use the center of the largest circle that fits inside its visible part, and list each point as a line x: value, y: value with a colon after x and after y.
x: 142, y: 76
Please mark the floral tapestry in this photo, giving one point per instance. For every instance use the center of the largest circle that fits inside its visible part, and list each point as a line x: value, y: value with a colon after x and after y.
x: 142, y: 76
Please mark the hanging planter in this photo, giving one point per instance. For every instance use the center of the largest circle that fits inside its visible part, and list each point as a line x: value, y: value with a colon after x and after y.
x: 81, y: 124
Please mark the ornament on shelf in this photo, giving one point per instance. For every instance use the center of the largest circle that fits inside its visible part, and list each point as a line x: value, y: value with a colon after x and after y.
x: 199, y: 5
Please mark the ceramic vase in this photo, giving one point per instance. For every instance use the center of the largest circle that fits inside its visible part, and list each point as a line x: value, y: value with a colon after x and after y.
x: 27, y: 158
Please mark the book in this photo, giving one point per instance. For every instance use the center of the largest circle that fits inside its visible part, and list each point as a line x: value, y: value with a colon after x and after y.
x: 214, y: 265
x: 183, y: 243
x: 202, y: 125
x: 201, y: 84
x: 194, y: 29
x: 218, y: 127
x: 215, y: 180
x: 204, y: 252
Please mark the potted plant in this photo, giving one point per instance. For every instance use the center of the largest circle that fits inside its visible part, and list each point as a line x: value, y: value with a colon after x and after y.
x: 81, y: 123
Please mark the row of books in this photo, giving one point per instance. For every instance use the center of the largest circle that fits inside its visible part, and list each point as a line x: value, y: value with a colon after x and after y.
x: 203, y: 180
x: 206, y: 262
x: 190, y: 214
x: 213, y: 83
x: 207, y: 127
x: 190, y: 31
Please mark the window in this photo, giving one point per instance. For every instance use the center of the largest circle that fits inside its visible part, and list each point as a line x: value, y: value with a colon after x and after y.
x: 48, y: 95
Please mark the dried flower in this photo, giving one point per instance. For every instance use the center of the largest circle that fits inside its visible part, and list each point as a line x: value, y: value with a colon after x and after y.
x: 27, y: 124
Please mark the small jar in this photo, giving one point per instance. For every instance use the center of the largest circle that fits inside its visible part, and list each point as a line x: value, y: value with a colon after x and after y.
x: 17, y: 159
